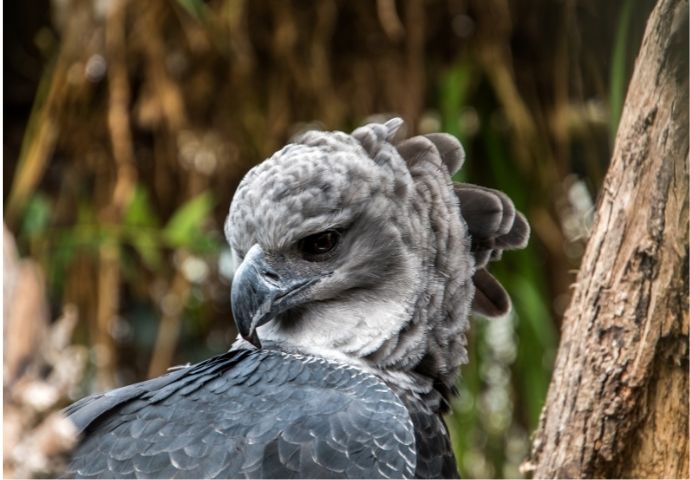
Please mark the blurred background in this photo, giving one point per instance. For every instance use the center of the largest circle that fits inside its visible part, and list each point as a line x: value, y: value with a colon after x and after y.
x: 128, y: 125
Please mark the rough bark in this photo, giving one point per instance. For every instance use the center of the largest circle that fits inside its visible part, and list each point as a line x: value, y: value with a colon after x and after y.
x: 618, y: 402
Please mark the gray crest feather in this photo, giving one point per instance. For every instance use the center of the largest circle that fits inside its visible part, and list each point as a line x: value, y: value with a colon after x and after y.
x: 373, y: 135
x: 450, y: 149
x: 416, y: 149
x: 482, y: 210
x: 517, y: 236
x: 490, y: 298
x: 494, y: 226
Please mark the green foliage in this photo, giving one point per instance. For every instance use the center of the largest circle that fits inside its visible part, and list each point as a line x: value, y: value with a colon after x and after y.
x: 618, y: 76
x: 184, y: 227
x: 36, y: 218
x: 454, y: 88
x: 141, y: 228
x: 196, y: 8
x: 139, y: 212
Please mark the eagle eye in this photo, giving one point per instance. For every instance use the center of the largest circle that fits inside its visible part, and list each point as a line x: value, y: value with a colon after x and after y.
x: 319, y: 243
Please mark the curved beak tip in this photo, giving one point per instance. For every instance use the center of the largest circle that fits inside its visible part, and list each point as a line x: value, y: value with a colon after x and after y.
x: 253, y: 338
x: 257, y: 299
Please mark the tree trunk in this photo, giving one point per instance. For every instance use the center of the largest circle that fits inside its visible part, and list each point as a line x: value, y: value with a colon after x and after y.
x: 618, y: 401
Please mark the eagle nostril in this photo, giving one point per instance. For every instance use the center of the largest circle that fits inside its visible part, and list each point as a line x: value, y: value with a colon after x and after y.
x: 271, y: 275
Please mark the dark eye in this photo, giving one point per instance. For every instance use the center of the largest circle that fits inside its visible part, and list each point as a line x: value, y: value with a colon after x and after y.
x: 319, y: 243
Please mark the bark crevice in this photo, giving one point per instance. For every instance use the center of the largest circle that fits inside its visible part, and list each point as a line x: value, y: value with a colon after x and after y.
x: 617, y: 404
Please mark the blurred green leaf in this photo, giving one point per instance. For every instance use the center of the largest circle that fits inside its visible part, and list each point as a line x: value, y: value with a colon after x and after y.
x: 139, y: 212
x: 143, y: 232
x: 86, y: 214
x: 454, y: 87
x: 36, y: 216
x: 618, y: 75
x: 205, y: 244
x: 184, y: 228
x: 196, y: 8
x: 62, y: 256
x: 147, y: 246
x: 536, y: 343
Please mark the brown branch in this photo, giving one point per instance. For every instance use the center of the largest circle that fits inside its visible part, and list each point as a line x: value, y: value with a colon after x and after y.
x: 53, y: 98
x: 118, y: 107
x: 173, y: 303
x: 168, y: 93
x: 125, y: 181
x: 390, y: 20
x: 618, y: 402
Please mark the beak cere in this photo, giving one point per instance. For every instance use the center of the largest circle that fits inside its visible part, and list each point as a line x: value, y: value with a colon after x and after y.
x: 259, y: 294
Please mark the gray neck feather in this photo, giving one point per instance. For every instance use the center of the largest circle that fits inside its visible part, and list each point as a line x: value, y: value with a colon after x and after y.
x: 432, y: 340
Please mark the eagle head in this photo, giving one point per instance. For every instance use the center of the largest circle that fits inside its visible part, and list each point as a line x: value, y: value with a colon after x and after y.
x: 359, y: 247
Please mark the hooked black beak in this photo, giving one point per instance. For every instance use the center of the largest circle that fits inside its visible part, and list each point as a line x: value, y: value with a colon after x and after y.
x: 259, y: 293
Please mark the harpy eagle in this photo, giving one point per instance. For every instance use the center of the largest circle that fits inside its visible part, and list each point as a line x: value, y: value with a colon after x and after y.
x: 359, y: 263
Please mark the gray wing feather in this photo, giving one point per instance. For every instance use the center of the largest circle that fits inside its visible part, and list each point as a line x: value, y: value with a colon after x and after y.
x: 84, y: 411
x: 248, y: 414
x: 435, y: 457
